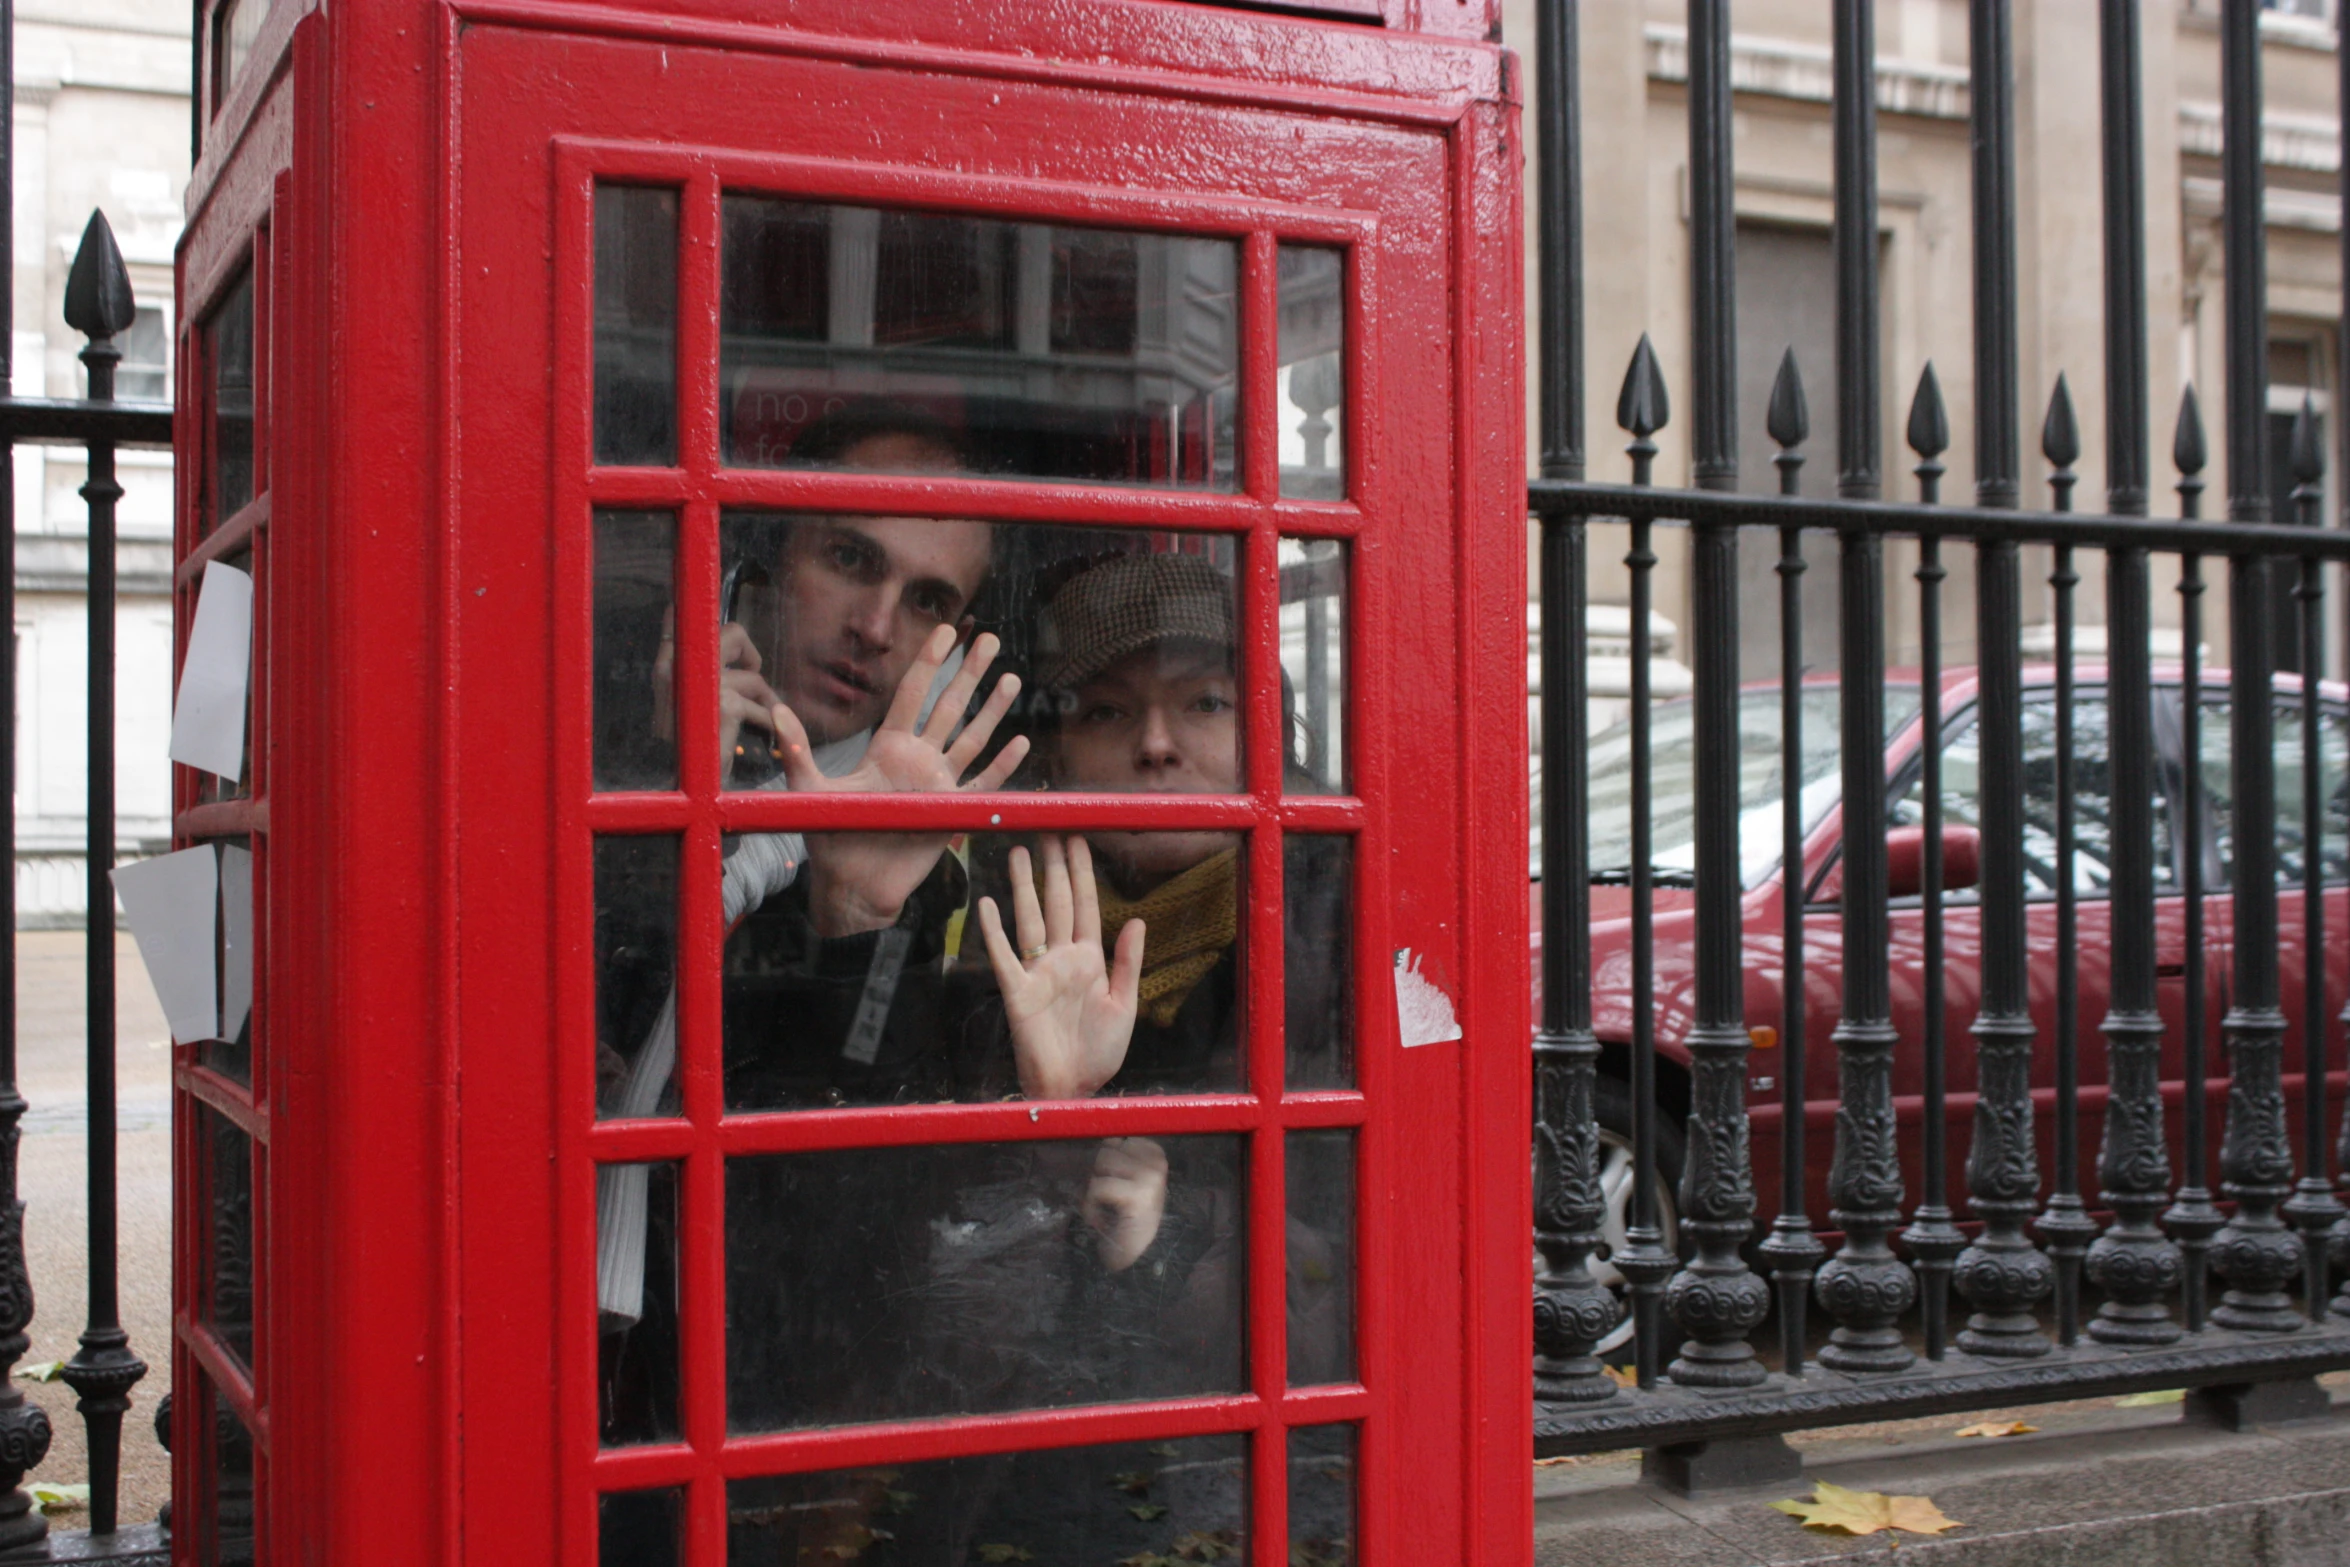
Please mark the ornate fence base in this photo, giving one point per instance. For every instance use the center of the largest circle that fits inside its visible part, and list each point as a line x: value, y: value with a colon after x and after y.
x: 2239, y: 1367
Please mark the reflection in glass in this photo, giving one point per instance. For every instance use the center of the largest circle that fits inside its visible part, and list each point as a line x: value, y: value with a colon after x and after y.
x: 1034, y: 350
x: 1313, y: 373
x: 1962, y: 762
x: 1761, y: 781
x: 1313, y: 664
x: 640, y: 1528
x: 636, y: 566
x: 224, y: 1532
x: 891, y: 1283
x: 1317, y: 903
x: 1322, y: 1496
x: 636, y: 1305
x: 1321, y: 1174
x: 231, y: 1052
x: 228, y: 1225
x: 1177, y: 1501
x: 636, y: 970
x: 2219, y: 788
x: 636, y: 325
x: 818, y: 1015
x: 228, y: 350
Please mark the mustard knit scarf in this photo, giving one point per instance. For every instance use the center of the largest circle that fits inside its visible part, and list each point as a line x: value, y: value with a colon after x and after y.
x: 1189, y: 923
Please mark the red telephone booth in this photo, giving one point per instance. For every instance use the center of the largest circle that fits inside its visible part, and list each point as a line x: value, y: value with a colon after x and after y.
x: 884, y: 799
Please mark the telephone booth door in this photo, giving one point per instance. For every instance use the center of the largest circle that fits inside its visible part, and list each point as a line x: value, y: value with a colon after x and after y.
x: 974, y: 732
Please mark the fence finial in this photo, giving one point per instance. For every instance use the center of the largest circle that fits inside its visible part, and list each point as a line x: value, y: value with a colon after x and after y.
x: 2060, y: 432
x: 2188, y: 453
x: 98, y: 299
x: 1929, y: 424
x: 1789, y: 420
x: 1642, y: 407
x: 2307, y: 457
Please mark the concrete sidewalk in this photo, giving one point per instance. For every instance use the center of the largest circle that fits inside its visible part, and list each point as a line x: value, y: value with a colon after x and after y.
x: 2096, y: 1485
x: 52, y: 1178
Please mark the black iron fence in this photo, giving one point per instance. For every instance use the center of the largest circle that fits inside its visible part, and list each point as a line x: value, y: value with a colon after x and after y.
x: 99, y: 306
x: 2143, y: 796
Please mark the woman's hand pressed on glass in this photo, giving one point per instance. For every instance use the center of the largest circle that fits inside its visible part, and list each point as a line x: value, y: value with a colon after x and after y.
x: 1071, y: 1009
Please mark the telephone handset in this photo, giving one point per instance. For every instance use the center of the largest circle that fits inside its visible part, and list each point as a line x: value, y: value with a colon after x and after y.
x: 756, y: 759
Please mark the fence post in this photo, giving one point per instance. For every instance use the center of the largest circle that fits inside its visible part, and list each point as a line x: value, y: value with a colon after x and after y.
x: 103, y: 1370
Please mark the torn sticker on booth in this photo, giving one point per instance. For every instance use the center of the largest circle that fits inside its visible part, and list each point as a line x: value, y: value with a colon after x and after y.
x: 1423, y: 1012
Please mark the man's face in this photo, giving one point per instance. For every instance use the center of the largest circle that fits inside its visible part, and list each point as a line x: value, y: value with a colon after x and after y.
x: 860, y: 595
x: 1164, y: 721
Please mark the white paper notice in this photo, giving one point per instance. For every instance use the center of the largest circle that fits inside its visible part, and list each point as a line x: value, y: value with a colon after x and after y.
x: 171, y: 903
x: 236, y: 938
x: 1423, y: 1012
x: 208, y: 720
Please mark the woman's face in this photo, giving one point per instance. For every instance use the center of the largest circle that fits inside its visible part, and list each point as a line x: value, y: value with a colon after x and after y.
x: 1163, y: 721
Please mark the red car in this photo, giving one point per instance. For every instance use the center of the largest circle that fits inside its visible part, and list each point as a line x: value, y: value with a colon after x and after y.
x: 1765, y: 887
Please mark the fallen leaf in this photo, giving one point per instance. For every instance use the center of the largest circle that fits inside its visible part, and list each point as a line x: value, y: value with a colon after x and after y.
x: 1622, y: 1376
x: 46, y: 1371
x: 997, y: 1552
x: 1148, y: 1512
x: 2169, y: 1395
x: 1866, y: 1512
x: 1134, y: 1482
x: 1553, y: 1463
x: 1997, y: 1428
x: 59, y: 1498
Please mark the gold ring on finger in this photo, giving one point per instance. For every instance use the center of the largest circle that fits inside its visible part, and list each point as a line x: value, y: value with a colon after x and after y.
x: 1031, y: 954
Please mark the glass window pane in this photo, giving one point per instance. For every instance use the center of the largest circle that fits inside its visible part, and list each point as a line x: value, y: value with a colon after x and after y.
x: 1317, y: 906
x: 635, y: 707
x: 1313, y: 665
x: 1962, y: 763
x: 1761, y: 781
x: 636, y: 325
x: 636, y: 970
x: 1313, y: 373
x: 1120, y: 644
x: 1321, y: 1173
x: 2334, y: 781
x: 640, y: 1528
x: 1178, y: 1501
x: 834, y: 997
x: 228, y: 350
x: 230, y: 1053
x: 1024, y: 349
x: 146, y: 357
x: 636, y: 1303
x: 1322, y: 1496
x: 227, y: 1218
x: 893, y: 1283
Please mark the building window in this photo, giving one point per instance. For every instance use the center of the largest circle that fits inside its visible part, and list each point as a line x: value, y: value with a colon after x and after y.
x: 145, y: 370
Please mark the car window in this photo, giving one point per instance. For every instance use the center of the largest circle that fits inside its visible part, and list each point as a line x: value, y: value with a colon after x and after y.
x: 2334, y: 780
x: 2092, y: 794
x: 1761, y: 781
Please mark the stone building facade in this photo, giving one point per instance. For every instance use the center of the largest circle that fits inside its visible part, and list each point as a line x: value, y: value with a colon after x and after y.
x: 1636, y: 276
x: 101, y: 121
